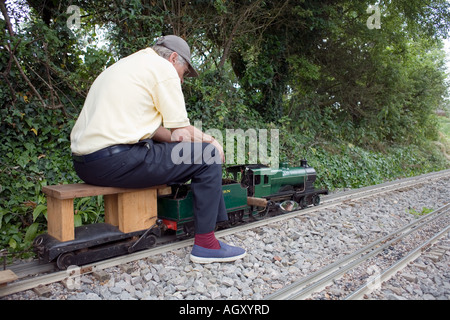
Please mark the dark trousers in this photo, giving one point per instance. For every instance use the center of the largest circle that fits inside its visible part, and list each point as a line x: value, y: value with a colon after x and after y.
x: 150, y: 163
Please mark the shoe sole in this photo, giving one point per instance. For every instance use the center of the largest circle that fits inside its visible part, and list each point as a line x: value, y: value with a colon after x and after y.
x: 202, y: 260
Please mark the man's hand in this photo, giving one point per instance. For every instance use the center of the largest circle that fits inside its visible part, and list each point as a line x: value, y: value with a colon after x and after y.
x: 193, y: 134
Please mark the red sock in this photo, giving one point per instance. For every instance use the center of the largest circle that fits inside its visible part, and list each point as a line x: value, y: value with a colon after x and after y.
x: 207, y: 240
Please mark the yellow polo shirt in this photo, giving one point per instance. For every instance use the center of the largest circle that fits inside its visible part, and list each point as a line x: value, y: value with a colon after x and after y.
x: 128, y: 102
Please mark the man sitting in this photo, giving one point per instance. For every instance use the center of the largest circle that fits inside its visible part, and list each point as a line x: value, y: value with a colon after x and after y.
x: 128, y: 135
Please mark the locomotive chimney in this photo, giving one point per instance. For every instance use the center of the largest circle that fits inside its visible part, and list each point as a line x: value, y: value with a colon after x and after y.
x: 304, y: 163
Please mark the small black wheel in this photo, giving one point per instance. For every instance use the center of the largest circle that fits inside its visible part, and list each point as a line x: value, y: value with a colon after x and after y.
x: 65, y: 260
x: 151, y: 241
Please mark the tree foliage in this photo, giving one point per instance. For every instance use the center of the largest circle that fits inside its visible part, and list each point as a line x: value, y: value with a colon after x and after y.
x: 315, y: 69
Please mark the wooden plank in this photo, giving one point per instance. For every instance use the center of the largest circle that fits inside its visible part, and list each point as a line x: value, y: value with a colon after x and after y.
x: 60, y: 220
x: 111, y: 209
x: 81, y: 190
x: 7, y: 276
x: 164, y: 191
x: 137, y: 210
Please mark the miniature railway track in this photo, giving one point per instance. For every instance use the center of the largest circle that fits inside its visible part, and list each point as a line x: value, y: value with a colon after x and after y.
x: 317, y: 281
x: 30, y: 275
x: 388, y: 273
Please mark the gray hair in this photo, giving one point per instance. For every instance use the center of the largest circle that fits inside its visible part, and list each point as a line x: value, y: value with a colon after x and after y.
x: 165, y: 53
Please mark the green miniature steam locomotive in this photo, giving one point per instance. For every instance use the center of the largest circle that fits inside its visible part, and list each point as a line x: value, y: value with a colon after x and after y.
x: 254, y: 191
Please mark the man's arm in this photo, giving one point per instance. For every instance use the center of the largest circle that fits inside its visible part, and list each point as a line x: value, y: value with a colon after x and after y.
x: 189, y: 133
x: 162, y: 135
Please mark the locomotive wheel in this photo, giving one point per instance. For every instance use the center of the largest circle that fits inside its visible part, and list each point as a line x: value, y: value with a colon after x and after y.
x: 316, y: 200
x: 302, y: 203
x: 65, y: 260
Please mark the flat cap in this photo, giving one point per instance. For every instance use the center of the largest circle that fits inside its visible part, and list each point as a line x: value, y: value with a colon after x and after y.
x: 181, y: 47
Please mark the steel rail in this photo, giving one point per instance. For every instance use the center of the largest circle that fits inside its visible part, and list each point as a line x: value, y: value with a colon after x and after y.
x: 398, y: 266
x: 318, y: 280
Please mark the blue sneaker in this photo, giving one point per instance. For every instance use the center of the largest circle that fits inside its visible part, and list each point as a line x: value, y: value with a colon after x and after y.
x: 226, y: 253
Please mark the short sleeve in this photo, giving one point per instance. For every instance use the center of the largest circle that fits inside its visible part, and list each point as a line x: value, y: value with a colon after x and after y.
x: 169, y: 101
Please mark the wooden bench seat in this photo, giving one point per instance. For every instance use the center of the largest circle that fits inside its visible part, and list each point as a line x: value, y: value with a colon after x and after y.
x: 129, y: 209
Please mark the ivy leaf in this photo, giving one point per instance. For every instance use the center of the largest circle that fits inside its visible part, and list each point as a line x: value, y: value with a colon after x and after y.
x: 31, y: 232
x: 12, y: 243
x: 77, y: 220
x: 38, y: 210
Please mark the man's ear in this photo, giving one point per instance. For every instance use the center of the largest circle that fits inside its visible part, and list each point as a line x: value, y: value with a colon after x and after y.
x: 173, y: 57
